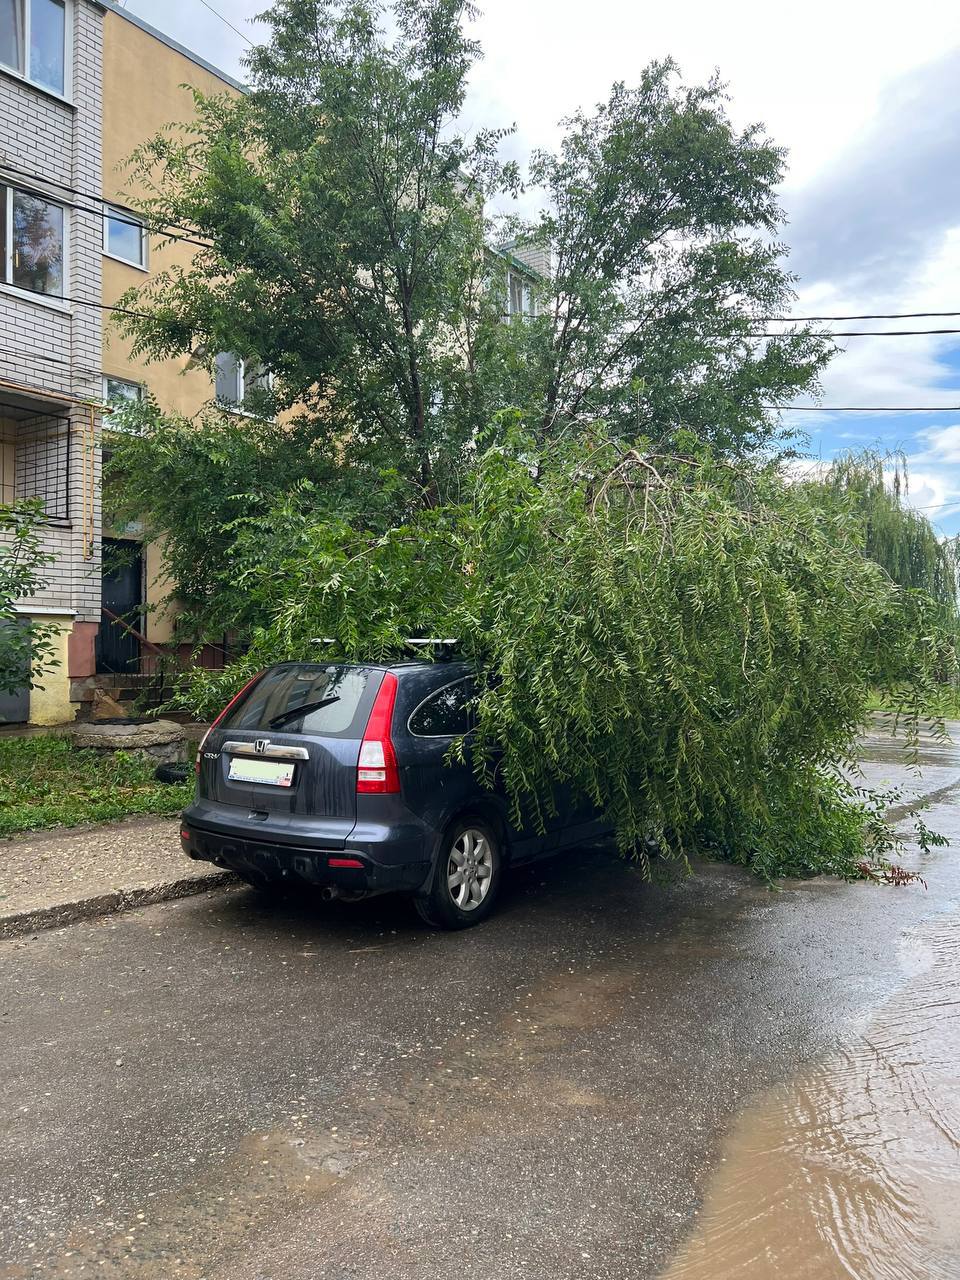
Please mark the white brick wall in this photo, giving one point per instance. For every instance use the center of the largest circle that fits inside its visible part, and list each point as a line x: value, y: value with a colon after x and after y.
x: 539, y: 258
x: 41, y: 346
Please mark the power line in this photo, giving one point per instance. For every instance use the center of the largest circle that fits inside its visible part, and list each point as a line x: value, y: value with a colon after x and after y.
x: 192, y: 233
x: 859, y: 408
x: 202, y: 244
x: 889, y: 315
x: 227, y: 23
x: 98, y: 306
x: 860, y: 333
x: 191, y: 238
x: 903, y: 333
x: 35, y: 355
x: 98, y: 213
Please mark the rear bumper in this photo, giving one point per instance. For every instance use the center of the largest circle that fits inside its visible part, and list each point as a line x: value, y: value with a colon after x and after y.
x: 355, y: 872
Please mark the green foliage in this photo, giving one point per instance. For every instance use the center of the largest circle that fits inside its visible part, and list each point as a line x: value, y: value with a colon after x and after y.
x: 690, y: 644
x: 349, y: 253
x: 191, y: 484
x: 870, y: 487
x: 662, y: 622
x: 661, y: 217
x: 26, y: 648
x: 345, y: 213
x: 45, y: 781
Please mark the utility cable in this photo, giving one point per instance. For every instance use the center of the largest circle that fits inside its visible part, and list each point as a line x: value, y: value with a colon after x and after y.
x: 227, y: 22
x: 856, y: 333
x: 861, y: 408
x: 889, y: 315
x: 189, y: 238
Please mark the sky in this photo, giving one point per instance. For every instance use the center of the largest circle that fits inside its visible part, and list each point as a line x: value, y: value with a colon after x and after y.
x: 864, y: 94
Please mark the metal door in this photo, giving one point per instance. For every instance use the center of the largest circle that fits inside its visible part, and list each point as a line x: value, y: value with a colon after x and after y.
x: 117, y: 649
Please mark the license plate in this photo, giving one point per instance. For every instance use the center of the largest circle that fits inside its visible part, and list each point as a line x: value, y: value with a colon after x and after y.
x: 272, y: 773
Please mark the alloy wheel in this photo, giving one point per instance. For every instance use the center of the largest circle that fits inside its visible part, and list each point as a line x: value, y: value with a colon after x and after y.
x: 470, y: 869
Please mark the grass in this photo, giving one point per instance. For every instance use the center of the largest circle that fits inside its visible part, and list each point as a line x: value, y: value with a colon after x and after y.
x: 947, y: 704
x: 46, y: 781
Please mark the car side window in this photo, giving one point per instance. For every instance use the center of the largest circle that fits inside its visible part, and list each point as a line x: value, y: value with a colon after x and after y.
x: 446, y: 713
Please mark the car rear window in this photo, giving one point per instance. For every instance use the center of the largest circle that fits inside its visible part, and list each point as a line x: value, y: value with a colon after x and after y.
x: 332, y: 702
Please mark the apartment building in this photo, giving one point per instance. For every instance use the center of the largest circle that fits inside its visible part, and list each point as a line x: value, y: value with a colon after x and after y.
x: 135, y: 53
x: 51, y: 87
x: 82, y: 82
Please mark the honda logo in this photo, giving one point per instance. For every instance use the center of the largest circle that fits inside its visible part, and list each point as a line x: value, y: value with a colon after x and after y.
x: 260, y: 746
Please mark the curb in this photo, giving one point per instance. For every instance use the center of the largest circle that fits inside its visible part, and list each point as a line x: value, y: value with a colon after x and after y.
x: 63, y: 913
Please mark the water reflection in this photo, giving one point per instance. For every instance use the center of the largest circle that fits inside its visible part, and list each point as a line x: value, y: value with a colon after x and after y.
x: 852, y: 1171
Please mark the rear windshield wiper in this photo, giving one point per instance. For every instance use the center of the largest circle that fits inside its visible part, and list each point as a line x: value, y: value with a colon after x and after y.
x: 294, y: 713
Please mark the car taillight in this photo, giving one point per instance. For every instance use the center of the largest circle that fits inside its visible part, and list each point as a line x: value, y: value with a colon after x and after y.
x: 377, y: 771
x: 233, y: 701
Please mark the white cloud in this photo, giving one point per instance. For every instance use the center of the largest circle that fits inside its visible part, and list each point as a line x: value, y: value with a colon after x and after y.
x: 943, y: 445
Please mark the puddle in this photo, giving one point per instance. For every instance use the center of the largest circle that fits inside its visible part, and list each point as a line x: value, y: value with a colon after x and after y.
x: 852, y: 1172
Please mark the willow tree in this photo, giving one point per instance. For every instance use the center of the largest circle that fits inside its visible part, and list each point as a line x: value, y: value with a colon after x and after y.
x: 872, y: 486
x: 688, y: 645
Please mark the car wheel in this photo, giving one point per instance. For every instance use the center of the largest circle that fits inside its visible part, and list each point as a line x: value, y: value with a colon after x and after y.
x: 466, y: 878
x: 173, y: 773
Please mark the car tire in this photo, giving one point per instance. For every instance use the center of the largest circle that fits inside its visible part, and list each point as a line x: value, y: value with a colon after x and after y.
x: 173, y: 774
x: 465, y: 882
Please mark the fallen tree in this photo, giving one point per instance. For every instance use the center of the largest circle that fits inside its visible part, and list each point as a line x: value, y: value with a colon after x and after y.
x: 581, y: 491
x: 690, y: 643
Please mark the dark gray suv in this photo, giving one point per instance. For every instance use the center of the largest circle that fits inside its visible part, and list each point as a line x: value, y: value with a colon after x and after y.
x: 338, y: 776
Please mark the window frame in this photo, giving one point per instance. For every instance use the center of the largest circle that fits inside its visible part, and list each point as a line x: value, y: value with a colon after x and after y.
x: 131, y: 219
x: 435, y: 693
x: 127, y: 382
x: 527, y: 296
x: 23, y: 73
x: 237, y: 406
x: 56, y: 300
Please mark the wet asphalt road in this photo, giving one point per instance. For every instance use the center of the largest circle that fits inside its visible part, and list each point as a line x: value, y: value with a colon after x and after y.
x: 227, y: 1089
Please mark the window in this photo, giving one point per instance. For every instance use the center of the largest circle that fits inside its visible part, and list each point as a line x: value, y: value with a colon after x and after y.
x: 31, y: 241
x: 33, y: 41
x: 307, y: 698
x: 121, y: 389
x: 237, y: 378
x: 124, y: 237
x: 446, y: 713
x: 520, y: 300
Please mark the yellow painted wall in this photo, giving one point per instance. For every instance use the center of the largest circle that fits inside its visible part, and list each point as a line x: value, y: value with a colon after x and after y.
x: 51, y: 704
x: 143, y: 92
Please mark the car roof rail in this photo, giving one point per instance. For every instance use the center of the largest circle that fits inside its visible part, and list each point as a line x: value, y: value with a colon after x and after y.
x: 442, y: 650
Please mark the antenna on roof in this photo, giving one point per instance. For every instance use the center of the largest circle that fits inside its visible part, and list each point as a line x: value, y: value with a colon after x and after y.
x: 442, y: 650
